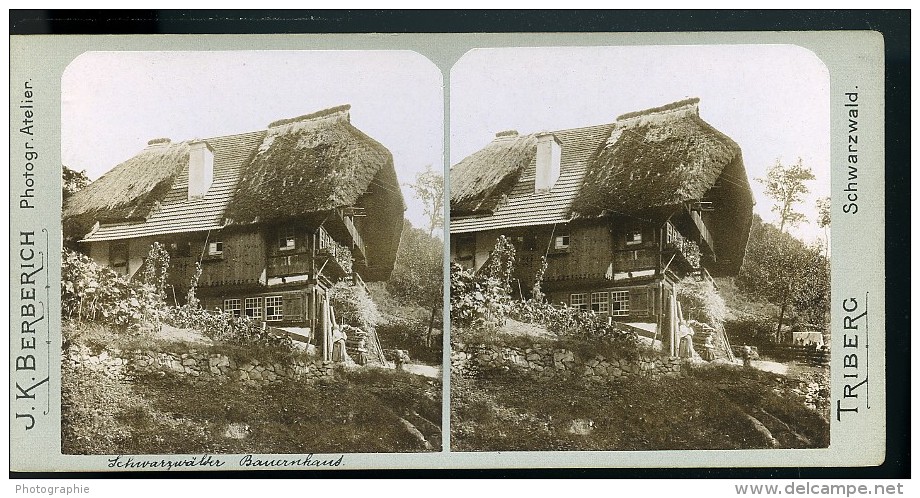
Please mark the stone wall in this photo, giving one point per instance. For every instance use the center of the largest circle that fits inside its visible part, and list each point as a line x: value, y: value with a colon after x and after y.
x: 199, y: 366
x: 546, y: 362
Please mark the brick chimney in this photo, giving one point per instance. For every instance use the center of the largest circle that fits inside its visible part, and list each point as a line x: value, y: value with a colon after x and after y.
x: 200, y: 169
x: 549, y: 161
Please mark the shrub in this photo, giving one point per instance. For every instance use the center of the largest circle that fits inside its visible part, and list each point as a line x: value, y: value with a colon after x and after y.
x: 353, y: 305
x: 96, y: 293
x: 571, y: 323
x: 410, y: 334
x: 226, y: 328
x: 477, y: 301
x: 753, y: 330
x: 701, y: 301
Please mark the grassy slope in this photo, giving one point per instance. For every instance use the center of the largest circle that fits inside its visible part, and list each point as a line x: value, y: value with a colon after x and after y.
x: 707, y: 410
x: 359, y: 411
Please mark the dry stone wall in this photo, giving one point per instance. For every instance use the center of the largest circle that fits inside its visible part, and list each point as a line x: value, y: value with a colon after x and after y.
x: 546, y: 362
x: 199, y: 366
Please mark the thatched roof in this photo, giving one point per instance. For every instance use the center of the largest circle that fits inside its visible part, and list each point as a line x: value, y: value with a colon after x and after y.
x: 647, y: 165
x: 479, y: 182
x: 312, y: 163
x: 302, y: 168
x: 658, y: 159
x: 129, y: 191
x: 655, y: 158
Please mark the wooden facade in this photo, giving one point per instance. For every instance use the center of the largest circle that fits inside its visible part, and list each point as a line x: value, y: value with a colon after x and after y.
x: 278, y: 274
x: 623, y: 268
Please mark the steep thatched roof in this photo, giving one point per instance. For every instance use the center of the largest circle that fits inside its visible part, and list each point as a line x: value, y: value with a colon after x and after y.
x: 308, y: 164
x: 479, y: 182
x: 655, y: 158
x: 302, y: 167
x: 129, y: 191
x: 648, y: 164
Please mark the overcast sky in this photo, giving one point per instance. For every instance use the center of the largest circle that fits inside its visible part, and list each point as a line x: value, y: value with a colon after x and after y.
x: 114, y: 102
x: 773, y: 100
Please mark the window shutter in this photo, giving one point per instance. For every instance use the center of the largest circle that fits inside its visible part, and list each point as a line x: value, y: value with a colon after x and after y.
x: 293, y: 307
x: 639, y: 301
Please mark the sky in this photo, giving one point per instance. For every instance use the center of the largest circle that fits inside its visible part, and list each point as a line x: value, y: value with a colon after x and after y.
x: 773, y: 100
x: 114, y: 102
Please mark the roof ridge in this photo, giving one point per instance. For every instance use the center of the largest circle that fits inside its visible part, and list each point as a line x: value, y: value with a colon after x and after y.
x: 331, y: 111
x: 551, y: 132
x: 673, y: 106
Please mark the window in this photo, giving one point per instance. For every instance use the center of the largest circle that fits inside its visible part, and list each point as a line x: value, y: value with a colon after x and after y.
x: 639, y: 301
x: 579, y: 301
x: 466, y: 249
x: 633, y: 237
x: 325, y: 240
x: 562, y: 242
x: 619, y: 303
x: 118, y: 257
x: 286, y: 240
x: 232, y: 306
x: 215, y: 248
x: 181, y: 249
x: 274, y: 309
x: 599, y: 302
x: 254, y: 307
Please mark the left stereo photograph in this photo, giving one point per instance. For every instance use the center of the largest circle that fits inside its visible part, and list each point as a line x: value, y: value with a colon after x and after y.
x: 252, y: 254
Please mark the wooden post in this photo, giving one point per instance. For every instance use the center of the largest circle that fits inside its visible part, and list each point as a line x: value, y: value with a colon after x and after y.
x: 327, y: 354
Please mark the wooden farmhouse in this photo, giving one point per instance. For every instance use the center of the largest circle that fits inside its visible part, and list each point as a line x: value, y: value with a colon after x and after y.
x: 621, y: 211
x: 275, y: 217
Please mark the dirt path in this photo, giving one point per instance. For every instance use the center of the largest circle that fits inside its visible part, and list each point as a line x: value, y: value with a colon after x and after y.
x: 770, y: 366
x: 423, y: 370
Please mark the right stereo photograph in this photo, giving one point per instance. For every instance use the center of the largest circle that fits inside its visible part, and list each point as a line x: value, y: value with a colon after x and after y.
x: 639, y: 246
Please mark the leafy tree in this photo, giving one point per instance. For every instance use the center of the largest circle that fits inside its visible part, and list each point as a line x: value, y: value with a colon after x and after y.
x: 824, y: 218
x: 783, y: 270
x: 73, y: 181
x: 824, y: 212
x: 418, y: 275
x: 786, y: 185
x: 429, y: 187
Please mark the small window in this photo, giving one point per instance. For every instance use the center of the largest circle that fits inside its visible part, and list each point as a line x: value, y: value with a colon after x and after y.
x: 599, y: 302
x: 633, y: 237
x: 215, y: 248
x: 466, y: 248
x: 182, y: 249
x: 325, y: 240
x: 562, y: 242
x: 232, y: 306
x: 619, y: 303
x: 254, y: 307
x: 274, y: 309
x: 286, y: 240
x: 579, y: 301
x: 118, y: 257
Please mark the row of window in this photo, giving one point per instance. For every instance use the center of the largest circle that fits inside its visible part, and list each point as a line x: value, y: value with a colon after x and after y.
x: 286, y: 241
x: 273, y: 309
x: 616, y: 303
x: 561, y: 242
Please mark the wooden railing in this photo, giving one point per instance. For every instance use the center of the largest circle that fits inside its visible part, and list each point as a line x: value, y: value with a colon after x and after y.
x: 640, y: 259
x: 805, y: 354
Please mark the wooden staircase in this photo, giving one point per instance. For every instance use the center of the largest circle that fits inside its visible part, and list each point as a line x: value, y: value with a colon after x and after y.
x: 371, y: 343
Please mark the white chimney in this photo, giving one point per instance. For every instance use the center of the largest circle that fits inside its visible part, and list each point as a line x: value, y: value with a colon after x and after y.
x: 200, y: 169
x: 549, y: 161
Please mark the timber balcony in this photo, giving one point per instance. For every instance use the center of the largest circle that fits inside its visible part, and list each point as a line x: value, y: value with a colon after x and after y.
x: 635, y: 260
x: 685, y: 251
x: 342, y: 228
